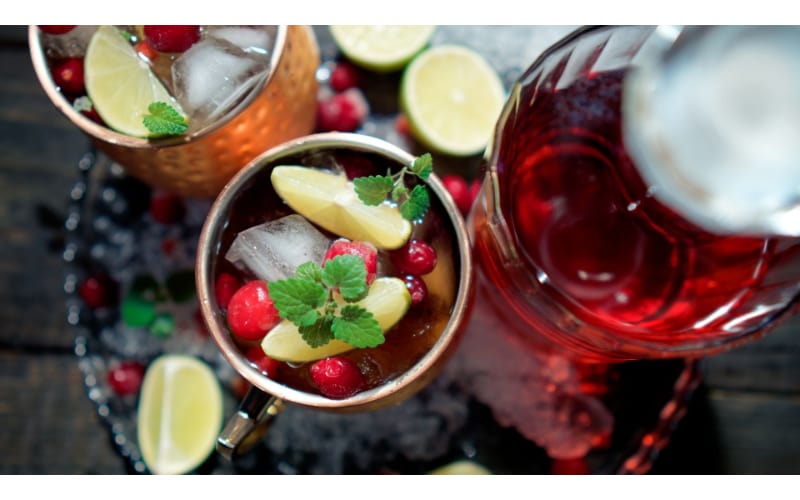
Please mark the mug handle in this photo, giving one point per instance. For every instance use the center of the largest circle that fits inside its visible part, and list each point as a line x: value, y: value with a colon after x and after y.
x: 249, y: 424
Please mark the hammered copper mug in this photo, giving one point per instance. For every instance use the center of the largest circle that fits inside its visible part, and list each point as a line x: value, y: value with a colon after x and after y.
x: 283, y: 108
x: 266, y: 397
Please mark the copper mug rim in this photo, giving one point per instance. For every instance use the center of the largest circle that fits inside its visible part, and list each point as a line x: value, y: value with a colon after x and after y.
x: 108, y: 135
x: 392, y: 391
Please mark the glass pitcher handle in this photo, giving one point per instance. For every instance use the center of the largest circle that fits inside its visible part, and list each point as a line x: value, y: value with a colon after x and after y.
x: 249, y: 424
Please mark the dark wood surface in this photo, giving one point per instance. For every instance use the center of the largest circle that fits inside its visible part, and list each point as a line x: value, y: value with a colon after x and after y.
x: 744, y: 419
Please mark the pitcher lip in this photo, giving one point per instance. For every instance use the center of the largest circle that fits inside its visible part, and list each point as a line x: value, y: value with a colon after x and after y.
x: 389, y: 392
x: 107, y: 135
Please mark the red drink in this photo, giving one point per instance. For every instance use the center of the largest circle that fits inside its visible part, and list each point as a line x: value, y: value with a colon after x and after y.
x: 594, y: 262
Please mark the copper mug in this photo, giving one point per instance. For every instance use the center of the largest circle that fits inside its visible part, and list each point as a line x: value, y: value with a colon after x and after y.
x: 266, y: 397
x: 283, y: 108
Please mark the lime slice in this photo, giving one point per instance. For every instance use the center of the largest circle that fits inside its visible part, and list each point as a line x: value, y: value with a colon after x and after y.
x: 120, y: 84
x: 179, y: 414
x: 452, y: 99
x: 381, y: 48
x: 388, y: 300
x: 461, y: 468
x: 330, y: 201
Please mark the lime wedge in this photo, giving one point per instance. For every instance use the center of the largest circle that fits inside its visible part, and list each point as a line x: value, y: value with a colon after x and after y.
x: 461, y: 468
x: 452, y: 98
x: 179, y: 415
x: 388, y: 300
x: 330, y: 201
x: 381, y: 48
x: 120, y: 84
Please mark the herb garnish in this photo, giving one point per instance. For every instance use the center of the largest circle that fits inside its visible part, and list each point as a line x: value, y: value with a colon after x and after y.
x: 374, y: 189
x: 163, y: 119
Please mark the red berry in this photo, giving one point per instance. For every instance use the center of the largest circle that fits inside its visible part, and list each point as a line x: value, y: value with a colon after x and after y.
x: 337, y: 377
x: 146, y: 50
x: 56, y: 30
x: 172, y: 38
x: 342, y: 112
x: 92, y: 115
x: 224, y: 288
x: 126, y: 379
x: 167, y: 208
x: 459, y: 189
x: 251, y: 313
x: 264, y: 363
x: 68, y: 75
x: 343, y: 77
x: 415, y: 257
x: 98, y: 291
x: 357, y: 166
x: 416, y: 287
x: 401, y: 125
x: 365, y: 250
x: 570, y: 466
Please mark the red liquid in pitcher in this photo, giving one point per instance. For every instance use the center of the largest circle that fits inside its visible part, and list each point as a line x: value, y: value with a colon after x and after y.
x: 607, y: 252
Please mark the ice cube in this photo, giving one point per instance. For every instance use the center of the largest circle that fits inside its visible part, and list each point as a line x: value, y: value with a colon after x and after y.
x: 70, y: 44
x: 274, y: 250
x: 252, y: 40
x: 210, y: 78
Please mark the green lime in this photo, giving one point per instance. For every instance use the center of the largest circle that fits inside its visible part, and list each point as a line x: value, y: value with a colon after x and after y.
x: 381, y: 48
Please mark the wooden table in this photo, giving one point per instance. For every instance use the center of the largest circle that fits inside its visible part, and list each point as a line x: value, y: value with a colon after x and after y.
x: 744, y: 419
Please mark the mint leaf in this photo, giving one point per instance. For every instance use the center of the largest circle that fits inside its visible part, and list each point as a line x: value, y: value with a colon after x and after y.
x: 417, y: 203
x: 318, y: 333
x: 358, y: 327
x: 422, y: 166
x: 309, y: 270
x: 163, y: 120
x: 297, y: 299
x: 347, y: 273
x: 372, y: 190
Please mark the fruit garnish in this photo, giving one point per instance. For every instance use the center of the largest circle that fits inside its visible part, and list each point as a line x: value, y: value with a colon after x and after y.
x: 329, y: 200
x: 266, y: 365
x: 343, y: 112
x: 167, y: 208
x: 416, y: 257
x: 414, y: 203
x: 146, y: 50
x: 387, y: 301
x: 57, y: 29
x: 68, y: 75
x: 120, y: 84
x: 452, y: 98
x: 461, y: 468
x: 172, y: 38
x: 381, y: 48
x: 251, y: 311
x: 343, y: 77
x: 162, y: 119
x: 126, y: 378
x: 460, y: 190
x: 337, y: 377
x: 416, y: 287
x: 364, y: 250
x: 179, y: 414
x: 224, y: 288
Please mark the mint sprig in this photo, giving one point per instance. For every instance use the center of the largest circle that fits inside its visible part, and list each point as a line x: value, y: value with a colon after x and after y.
x: 164, y: 120
x: 413, y: 203
x: 307, y: 300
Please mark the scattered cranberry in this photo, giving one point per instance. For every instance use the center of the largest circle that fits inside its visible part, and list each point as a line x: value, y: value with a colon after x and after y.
x: 365, y: 250
x: 224, y: 288
x: 68, y: 75
x: 126, y: 379
x: 146, y: 50
x: 416, y: 287
x: 344, y: 76
x: 415, y: 257
x: 337, y: 377
x: 401, y: 124
x: 460, y: 191
x: 571, y: 466
x: 264, y: 363
x: 168, y: 246
x: 343, y: 112
x: 98, y: 291
x: 172, y: 38
x: 251, y: 313
x: 56, y: 30
x: 167, y: 208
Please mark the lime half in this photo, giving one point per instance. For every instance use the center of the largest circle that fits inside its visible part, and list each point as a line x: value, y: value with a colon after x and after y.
x: 452, y: 98
x: 120, y: 84
x: 179, y: 415
x: 381, y: 48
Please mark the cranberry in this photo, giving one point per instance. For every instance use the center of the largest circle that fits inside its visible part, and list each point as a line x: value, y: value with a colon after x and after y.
x: 146, y: 50
x: 416, y: 287
x: 343, y: 112
x: 224, y: 288
x: 56, y: 30
x: 167, y: 208
x: 415, y: 257
x: 337, y: 377
x: 401, y: 125
x: 264, y: 363
x: 365, y: 250
x: 172, y: 38
x: 343, y: 77
x: 460, y: 191
x: 251, y: 313
x: 68, y: 75
x: 126, y: 379
x: 570, y: 466
x: 98, y: 291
